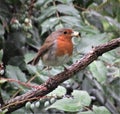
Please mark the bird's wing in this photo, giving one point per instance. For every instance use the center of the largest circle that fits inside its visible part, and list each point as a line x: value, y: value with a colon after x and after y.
x: 45, y: 47
x: 42, y: 50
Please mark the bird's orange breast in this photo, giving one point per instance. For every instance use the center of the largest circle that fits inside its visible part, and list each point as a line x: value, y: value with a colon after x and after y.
x: 64, y: 46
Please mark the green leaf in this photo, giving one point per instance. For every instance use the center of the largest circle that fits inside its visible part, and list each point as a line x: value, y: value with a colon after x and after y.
x: 118, y: 12
x: 14, y: 72
x: 31, y: 69
x: 49, y: 24
x: 65, y: 1
x: 115, y: 88
x: 71, y: 20
x: 108, y: 57
x: 89, y: 30
x: 1, y: 55
x: 100, y: 110
x: 29, y: 56
x: 68, y: 9
x: 96, y: 110
x: 86, y: 112
x: 39, y: 3
x: 59, y: 91
x: 79, y: 100
x: 117, y: 61
x: 46, y: 13
x: 94, y: 20
x: 2, y: 31
x: 91, y: 40
x: 99, y: 71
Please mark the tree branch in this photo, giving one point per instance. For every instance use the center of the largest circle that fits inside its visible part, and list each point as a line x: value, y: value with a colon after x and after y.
x: 19, y: 101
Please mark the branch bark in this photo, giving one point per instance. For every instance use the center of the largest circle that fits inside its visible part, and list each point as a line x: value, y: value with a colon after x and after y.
x: 19, y: 101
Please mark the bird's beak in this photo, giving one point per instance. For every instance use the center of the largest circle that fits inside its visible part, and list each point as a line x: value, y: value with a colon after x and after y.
x: 75, y: 34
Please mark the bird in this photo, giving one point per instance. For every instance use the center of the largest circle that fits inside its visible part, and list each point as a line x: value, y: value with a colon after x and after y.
x: 57, y: 48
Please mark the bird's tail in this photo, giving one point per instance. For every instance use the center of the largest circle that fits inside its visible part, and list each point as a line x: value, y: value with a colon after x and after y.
x: 35, y: 60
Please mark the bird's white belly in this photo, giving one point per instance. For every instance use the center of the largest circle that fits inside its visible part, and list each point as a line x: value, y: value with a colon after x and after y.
x: 56, y: 61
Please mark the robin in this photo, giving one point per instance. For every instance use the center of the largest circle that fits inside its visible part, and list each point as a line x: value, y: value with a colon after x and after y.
x: 57, y: 48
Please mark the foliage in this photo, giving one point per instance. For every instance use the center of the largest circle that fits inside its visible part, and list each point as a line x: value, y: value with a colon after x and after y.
x: 78, y: 101
x: 24, y: 25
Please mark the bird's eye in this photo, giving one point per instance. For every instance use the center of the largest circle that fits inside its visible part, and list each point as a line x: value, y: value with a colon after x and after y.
x: 65, y: 32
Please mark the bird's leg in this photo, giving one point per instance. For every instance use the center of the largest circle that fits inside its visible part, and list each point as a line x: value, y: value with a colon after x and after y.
x: 48, y: 68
